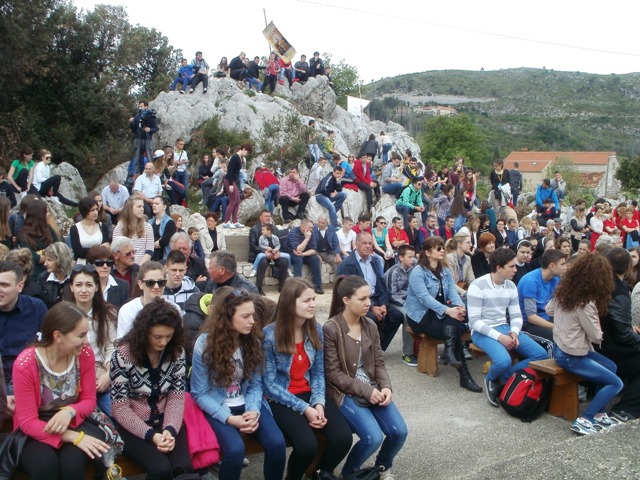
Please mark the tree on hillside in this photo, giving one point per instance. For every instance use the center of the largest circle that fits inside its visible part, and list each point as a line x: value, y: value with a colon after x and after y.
x: 283, y: 141
x: 629, y: 173
x: 345, y: 79
x: 70, y: 80
x: 448, y: 137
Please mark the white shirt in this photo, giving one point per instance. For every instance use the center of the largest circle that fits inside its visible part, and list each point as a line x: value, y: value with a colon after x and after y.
x: 181, y: 156
x: 346, y: 241
x: 148, y: 187
x: 41, y: 172
x: 115, y: 200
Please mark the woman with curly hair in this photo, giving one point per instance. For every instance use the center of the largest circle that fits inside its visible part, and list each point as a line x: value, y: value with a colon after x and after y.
x: 36, y: 234
x: 294, y: 382
x: 147, y: 391
x: 563, y: 244
x: 84, y: 291
x: 226, y: 385
x: 132, y: 224
x: 58, y: 261
x: 581, y: 297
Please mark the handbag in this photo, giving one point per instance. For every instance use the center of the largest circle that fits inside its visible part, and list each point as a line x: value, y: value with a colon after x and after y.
x: 367, y: 473
x: 360, y: 401
x: 10, y: 453
x: 99, y: 425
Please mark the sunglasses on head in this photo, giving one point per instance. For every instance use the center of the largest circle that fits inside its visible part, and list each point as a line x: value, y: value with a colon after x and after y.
x: 151, y: 283
x: 102, y: 263
x: 88, y: 268
x: 239, y: 293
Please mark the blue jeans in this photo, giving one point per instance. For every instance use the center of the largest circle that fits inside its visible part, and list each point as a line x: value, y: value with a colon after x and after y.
x: 176, y: 194
x: 332, y: 204
x: 260, y: 256
x: 268, y: 436
x: 406, y: 211
x: 393, y: 188
x: 501, y: 368
x: 314, y: 150
x: 185, y: 83
x: 220, y: 202
x: 104, y: 402
x: 596, y: 368
x: 386, y: 148
x: 254, y: 81
x: 272, y: 197
x: 182, y: 177
x: 314, y: 264
x: 374, y: 426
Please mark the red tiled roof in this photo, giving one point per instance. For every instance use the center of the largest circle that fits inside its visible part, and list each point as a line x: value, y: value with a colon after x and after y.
x: 527, y: 166
x: 578, y: 158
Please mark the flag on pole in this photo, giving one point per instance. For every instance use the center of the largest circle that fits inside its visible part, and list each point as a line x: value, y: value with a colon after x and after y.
x: 355, y: 105
x: 278, y: 43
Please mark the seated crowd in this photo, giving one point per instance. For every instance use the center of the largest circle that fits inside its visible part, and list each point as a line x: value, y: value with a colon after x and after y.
x: 135, y: 323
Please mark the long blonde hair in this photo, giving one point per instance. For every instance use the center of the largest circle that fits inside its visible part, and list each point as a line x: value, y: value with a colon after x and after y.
x: 132, y: 226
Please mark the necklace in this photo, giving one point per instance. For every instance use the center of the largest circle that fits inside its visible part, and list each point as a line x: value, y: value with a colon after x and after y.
x: 46, y: 354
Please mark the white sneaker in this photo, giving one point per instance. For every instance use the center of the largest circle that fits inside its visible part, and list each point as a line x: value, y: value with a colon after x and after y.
x: 239, y: 225
x: 386, y: 475
x: 253, y: 273
x: 228, y: 225
x: 55, y: 199
x: 291, y: 273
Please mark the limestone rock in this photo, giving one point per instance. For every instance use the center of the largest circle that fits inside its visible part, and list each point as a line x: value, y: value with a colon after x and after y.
x: 386, y: 207
x: 72, y: 185
x: 58, y: 211
x: 250, y: 208
x: 354, y: 205
x: 315, y: 98
x: 120, y: 172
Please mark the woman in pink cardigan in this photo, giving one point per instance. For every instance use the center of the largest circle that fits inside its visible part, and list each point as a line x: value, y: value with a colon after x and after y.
x: 55, y: 390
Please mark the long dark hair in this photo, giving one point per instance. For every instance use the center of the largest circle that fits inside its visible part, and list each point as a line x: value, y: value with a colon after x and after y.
x: 102, y: 312
x: 35, y: 226
x: 345, y: 286
x: 62, y: 317
x: 154, y: 313
x: 286, y: 317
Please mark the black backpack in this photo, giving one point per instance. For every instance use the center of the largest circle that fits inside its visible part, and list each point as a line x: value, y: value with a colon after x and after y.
x: 525, y: 396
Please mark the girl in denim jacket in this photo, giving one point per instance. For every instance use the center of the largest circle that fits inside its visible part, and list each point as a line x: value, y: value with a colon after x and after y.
x: 295, y: 385
x: 226, y: 385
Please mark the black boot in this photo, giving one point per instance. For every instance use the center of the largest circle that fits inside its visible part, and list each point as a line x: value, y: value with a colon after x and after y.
x: 466, y: 381
x: 451, y: 337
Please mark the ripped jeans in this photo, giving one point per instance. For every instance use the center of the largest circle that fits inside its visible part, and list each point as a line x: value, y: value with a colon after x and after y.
x: 375, y: 426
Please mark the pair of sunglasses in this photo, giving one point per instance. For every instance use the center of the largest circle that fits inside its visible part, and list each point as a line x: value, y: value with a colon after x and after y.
x: 151, y: 283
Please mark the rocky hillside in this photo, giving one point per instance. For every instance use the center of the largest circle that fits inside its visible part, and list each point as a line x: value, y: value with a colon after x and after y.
x: 525, y: 108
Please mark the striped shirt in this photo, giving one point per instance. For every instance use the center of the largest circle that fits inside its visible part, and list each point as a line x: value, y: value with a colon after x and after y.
x: 487, y: 304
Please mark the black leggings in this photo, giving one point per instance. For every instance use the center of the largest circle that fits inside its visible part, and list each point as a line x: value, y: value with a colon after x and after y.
x: 157, y: 465
x: 53, y: 182
x: 41, y: 461
x: 269, y: 81
x: 295, y: 427
x: 21, y: 180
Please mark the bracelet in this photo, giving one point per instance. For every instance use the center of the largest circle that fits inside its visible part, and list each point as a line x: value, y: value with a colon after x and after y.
x: 78, y: 439
x: 71, y: 411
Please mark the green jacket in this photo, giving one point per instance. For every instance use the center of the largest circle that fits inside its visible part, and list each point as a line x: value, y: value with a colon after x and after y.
x: 410, y: 197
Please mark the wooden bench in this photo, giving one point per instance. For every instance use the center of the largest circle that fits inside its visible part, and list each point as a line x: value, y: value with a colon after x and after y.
x: 130, y: 468
x: 564, y: 390
x: 428, y: 351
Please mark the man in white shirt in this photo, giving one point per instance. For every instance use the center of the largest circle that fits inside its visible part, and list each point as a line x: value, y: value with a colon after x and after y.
x: 148, y: 186
x: 114, y: 197
x: 181, y: 161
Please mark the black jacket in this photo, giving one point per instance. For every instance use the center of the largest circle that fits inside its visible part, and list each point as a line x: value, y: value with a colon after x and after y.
x: 118, y: 296
x: 328, y: 185
x: 254, y: 237
x: 192, y: 321
x: 619, y: 339
x: 52, y: 291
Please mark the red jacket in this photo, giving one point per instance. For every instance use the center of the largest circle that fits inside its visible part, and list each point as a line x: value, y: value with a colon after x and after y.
x: 362, y: 171
x: 264, y: 177
x: 26, y: 387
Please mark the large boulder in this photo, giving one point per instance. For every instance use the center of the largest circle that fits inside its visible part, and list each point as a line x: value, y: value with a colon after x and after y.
x: 315, y: 98
x: 72, y: 185
x: 120, y: 172
x: 250, y: 208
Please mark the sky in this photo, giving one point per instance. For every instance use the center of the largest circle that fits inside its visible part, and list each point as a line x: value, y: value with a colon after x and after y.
x: 389, y: 38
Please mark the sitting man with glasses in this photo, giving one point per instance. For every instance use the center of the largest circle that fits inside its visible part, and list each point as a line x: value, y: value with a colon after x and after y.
x: 124, y: 265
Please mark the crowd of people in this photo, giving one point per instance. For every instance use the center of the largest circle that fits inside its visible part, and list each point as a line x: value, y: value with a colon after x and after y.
x: 248, y: 72
x: 131, y: 321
